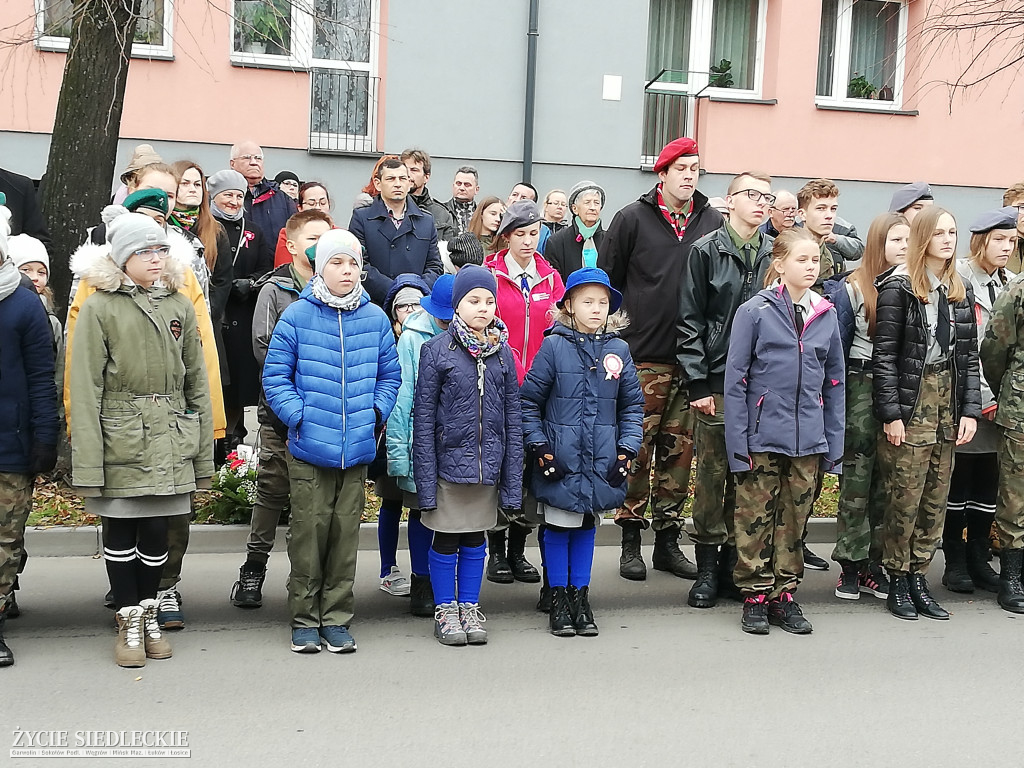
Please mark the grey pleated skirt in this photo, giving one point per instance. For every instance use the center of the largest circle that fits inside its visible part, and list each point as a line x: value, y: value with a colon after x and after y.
x: 140, y: 506
x: 463, y: 508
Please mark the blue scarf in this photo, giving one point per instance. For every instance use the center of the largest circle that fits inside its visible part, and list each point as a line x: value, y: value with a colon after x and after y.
x: 587, y: 234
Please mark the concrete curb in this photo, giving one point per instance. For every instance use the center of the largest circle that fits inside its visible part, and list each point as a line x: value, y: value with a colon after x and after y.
x: 84, y: 541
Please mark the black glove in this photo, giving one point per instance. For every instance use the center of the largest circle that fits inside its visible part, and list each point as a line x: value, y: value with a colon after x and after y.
x: 620, y: 469
x: 512, y: 515
x: 44, y: 459
x: 241, y: 287
x: 280, y: 428
x: 378, y: 425
x: 550, y: 467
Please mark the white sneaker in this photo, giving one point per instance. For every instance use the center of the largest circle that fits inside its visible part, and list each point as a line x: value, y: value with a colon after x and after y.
x: 395, y: 583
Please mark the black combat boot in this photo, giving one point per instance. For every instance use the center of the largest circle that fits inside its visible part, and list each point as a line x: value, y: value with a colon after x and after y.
x: 704, y: 592
x: 923, y: 600
x: 6, y: 654
x: 421, y: 597
x: 898, y: 602
x: 560, y: 616
x: 955, y: 577
x: 248, y: 590
x: 631, y: 562
x: 981, y: 573
x: 498, y: 569
x: 522, y: 569
x: 668, y: 556
x: 727, y: 588
x: 582, y: 614
x: 1011, y: 593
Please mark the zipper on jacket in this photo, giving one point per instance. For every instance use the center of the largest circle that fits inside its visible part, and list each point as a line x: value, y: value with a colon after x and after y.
x: 482, y: 374
x: 344, y: 386
x: 760, y: 406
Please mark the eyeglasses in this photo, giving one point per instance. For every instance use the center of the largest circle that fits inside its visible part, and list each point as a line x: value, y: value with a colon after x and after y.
x: 257, y: 158
x: 787, y: 211
x: 756, y: 195
x: 153, y: 254
x: 406, y: 307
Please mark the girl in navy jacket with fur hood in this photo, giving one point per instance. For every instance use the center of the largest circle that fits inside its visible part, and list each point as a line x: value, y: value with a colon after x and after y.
x: 583, y: 421
x: 784, y: 420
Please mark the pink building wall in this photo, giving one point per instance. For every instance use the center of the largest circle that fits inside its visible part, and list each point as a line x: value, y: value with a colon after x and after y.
x: 972, y: 146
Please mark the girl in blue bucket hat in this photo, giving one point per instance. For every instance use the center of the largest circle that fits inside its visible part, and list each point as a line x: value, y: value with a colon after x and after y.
x: 582, y: 423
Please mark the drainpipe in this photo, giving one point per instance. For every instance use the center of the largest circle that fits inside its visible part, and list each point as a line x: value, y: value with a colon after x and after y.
x: 531, y: 89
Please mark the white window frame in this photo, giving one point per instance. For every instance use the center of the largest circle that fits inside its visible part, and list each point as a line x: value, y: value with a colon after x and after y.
x: 699, y: 61
x: 59, y: 44
x: 841, y: 63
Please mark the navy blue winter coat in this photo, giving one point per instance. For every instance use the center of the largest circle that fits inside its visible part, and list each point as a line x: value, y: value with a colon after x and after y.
x: 269, y: 209
x: 388, y: 252
x: 28, y: 395
x: 461, y: 434
x: 571, y: 402
x: 325, y: 373
x: 835, y: 291
x: 784, y: 393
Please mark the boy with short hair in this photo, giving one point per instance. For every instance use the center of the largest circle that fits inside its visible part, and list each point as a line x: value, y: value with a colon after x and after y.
x: 818, y: 202
x: 331, y: 376
x: 277, y: 291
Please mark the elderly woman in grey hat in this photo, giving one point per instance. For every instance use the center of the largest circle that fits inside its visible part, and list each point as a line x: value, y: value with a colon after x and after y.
x: 577, y: 245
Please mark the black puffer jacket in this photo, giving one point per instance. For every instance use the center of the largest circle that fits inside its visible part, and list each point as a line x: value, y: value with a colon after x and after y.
x: 901, y: 344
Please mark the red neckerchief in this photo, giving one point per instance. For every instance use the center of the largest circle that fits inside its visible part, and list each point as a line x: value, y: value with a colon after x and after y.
x: 265, y: 196
x: 678, y: 221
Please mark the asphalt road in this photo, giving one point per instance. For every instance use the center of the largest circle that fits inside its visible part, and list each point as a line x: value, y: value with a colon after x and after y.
x: 663, y: 685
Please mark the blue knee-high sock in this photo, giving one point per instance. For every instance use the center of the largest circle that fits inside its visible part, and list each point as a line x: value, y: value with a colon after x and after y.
x: 556, y: 552
x: 581, y: 556
x: 471, y: 573
x: 387, y: 534
x: 540, y: 543
x: 442, y: 576
x: 420, y: 538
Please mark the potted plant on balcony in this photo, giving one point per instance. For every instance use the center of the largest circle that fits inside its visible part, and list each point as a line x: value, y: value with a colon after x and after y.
x: 861, y: 88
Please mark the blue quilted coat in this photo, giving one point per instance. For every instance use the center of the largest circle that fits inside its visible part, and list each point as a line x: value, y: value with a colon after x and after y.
x: 463, y: 434
x: 325, y: 372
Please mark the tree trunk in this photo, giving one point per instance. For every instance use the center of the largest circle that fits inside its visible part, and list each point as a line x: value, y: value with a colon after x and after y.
x: 83, y: 148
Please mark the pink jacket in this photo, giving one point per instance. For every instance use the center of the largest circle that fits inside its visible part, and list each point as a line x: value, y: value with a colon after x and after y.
x: 526, y: 321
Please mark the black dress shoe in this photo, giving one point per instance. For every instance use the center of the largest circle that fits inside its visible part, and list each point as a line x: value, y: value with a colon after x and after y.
x: 923, y: 601
x: 498, y: 569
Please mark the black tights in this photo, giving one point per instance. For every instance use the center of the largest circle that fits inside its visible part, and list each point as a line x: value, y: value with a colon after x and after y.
x: 449, y: 543
x: 135, y: 550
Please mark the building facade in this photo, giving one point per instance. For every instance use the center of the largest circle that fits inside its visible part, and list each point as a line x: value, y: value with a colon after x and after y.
x: 847, y: 89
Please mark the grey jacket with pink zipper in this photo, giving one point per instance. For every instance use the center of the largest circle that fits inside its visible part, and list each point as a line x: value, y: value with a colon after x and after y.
x: 784, y: 393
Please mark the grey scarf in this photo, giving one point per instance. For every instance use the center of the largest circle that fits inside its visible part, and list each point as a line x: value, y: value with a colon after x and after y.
x: 10, y: 278
x: 319, y: 288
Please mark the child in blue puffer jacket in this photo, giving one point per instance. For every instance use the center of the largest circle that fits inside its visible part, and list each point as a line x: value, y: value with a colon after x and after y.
x: 784, y: 422
x: 331, y: 375
x: 583, y: 422
x: 467, y: 450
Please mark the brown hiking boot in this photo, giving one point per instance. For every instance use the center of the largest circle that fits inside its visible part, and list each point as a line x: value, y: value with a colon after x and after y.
x: 129, y: 650
x: 155, y: 642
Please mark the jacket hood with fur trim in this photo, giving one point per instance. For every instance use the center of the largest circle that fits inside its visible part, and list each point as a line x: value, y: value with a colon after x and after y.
x: 94, y: 264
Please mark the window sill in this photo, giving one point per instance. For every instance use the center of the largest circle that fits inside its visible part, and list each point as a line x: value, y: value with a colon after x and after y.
x: 52, y: 44
x: 743, y: 100
x: 264, y: 61
x: 867, y: 109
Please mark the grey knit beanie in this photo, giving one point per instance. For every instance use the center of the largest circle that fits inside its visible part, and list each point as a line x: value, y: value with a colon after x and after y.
x: 224, y: 180
x: 131, y: 232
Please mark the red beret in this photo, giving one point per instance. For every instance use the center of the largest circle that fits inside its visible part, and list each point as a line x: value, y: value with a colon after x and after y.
x: 681, y: 147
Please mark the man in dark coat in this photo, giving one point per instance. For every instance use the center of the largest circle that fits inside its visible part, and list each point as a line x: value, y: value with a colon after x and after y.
x: 266, y: 206
x: 397, y: 237
x: 644, y: 252
x: 26, y: 216
x: 417, y: 162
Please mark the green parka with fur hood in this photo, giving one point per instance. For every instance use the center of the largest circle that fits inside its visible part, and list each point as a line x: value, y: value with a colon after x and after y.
x: 140, y: 398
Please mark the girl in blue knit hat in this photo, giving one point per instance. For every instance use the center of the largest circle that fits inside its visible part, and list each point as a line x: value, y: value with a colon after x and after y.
x: 582, y: 423
x: 467, y: 450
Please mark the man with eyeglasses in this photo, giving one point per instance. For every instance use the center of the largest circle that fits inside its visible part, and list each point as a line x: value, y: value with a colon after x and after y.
x: 643, y: 252
x: 782, y: 214
x: 266, y: 206
x: 724, y: 269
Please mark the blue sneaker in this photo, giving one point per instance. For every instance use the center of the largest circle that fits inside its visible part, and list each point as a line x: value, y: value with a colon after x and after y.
x: 169, y: 615
x: 305, y: 640
x: 338, y: 639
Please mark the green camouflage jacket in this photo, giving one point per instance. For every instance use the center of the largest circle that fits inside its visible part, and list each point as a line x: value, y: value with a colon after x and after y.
x: 1002, y: 354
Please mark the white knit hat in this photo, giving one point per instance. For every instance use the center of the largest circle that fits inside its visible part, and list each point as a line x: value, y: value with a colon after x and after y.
x: 25, y: 249
x: 335, y: 242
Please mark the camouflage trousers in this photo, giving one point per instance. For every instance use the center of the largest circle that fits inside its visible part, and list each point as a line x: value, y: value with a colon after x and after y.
x: 915, y: 479
x: 773, y: 502
x: 1010, y: 499
x: 660, y: 475
x: 272, y: 493
x: 714, y: 488
x: 15, y: 505
x: 861, y: 500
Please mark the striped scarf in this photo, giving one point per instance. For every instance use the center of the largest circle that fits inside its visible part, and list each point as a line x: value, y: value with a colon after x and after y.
x: 678, y: 221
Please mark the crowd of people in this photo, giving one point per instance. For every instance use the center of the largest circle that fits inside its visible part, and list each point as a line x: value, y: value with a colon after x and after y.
x: 499, y: 366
